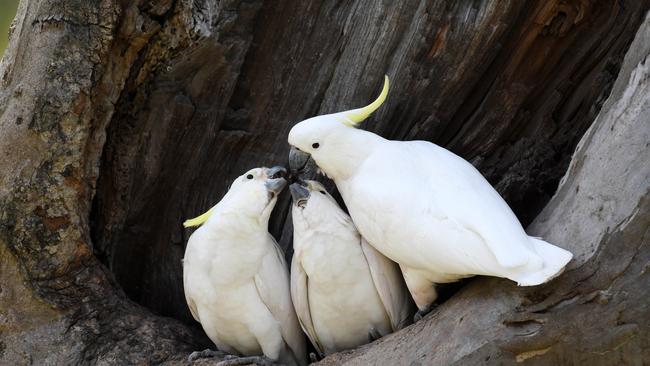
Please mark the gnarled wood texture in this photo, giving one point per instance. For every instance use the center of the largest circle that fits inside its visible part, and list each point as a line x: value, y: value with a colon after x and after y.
x: 120, y: 119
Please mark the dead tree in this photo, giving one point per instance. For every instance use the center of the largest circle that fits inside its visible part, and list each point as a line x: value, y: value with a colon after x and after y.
x: 120, y: 119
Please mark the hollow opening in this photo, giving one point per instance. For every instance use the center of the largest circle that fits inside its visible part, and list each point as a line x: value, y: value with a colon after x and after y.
x: 183, y: 130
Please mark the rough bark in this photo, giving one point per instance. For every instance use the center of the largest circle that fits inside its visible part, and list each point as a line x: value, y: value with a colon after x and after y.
x: 118, y: 119
x: 60, y: 79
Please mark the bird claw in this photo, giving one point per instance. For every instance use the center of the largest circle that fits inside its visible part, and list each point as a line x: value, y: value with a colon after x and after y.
x: 373, y: 334
x: 422, y: 313
x: 313, y: 357
x: 206, y: 353
x: 250, y: 360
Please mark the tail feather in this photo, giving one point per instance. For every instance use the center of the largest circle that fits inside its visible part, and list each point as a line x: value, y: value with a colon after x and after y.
x: 555, y: 259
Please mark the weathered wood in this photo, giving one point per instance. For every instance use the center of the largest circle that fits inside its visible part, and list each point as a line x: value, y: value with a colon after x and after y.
x: 59, y: 81
x: 120, y: 119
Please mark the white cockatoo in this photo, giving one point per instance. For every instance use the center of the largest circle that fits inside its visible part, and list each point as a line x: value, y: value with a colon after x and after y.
x: 422, y: 206
x: 344, y: 291
x: 235, y: 277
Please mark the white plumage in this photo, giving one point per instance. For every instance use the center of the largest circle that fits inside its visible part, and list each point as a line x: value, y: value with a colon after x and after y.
x: 344, y: 291
x: 424, y: 207
x: 235, y: 277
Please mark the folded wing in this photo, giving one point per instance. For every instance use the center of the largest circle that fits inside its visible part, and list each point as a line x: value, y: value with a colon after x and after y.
x: 272, y: 283
x: 300, y: 297
x: 390, y: 285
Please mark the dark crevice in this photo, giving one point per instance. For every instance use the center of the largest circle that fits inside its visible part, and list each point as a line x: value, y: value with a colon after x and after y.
x: 484, y: 85
x: 240, y: 115
x: 123, y: 103
x: 142, y: 261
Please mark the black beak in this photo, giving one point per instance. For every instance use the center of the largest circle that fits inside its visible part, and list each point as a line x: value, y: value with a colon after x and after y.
x: 276, y: 172
x: 297, y: 160
x: 299, y: 194
x: 275, y: 179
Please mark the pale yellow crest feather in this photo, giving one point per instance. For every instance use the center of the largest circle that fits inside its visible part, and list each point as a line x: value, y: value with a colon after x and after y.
x: 356, y: 116
x: 198, y: 220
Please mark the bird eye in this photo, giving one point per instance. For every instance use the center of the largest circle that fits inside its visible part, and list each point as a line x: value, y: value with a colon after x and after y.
x: 323, y: 192
x: 315, y: 145
x: 250, y: 176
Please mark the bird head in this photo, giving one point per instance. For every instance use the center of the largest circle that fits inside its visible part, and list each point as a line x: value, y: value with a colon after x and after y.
x: 252, y: 194
x: 332, y: 140
x: 313, y: 206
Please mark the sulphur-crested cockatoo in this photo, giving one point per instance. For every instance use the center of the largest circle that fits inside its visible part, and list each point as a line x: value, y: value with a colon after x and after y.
x: 235, y: 277
x: 344, y: 291
x: 422, y: 206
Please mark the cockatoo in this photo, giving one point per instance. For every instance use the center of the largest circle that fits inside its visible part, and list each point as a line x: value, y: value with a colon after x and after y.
x: 344, y: 291
x: 235, y: 277
x: 422, y: 206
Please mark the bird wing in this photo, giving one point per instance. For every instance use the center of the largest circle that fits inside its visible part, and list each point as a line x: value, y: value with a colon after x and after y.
x: 390, y: 285
x: 272, y: 282
x: 300, y: 297
x: 188, y: 298
x: 467, y: 198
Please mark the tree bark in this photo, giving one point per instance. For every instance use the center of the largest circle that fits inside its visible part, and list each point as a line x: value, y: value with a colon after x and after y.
x: 120, y: 119
x: 61, y: 76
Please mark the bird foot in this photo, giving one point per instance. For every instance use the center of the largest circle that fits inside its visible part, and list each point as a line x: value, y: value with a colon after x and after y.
x: 314, y: 357
x: 422, y: 313
x: 206, y: 353
x: 373, y: 334
x: 250, y: 360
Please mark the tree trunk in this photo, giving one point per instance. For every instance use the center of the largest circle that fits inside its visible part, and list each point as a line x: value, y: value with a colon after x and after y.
x: 120, y: 119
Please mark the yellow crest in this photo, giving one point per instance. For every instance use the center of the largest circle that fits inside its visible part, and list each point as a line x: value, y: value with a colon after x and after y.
x: 355, y: 116
x: 198, y: 220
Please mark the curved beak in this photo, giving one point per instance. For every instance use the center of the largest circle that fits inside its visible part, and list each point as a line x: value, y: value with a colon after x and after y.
x: 276, y: 172
x: 297, y: 159
x: 276, y: 182
x: 299, y: 194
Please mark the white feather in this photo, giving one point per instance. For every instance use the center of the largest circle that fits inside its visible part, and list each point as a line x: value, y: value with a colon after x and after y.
x: 236, y: 282
x: 342, y: 291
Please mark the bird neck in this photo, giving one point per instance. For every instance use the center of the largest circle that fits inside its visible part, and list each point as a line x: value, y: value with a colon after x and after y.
x: 227, y: 223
